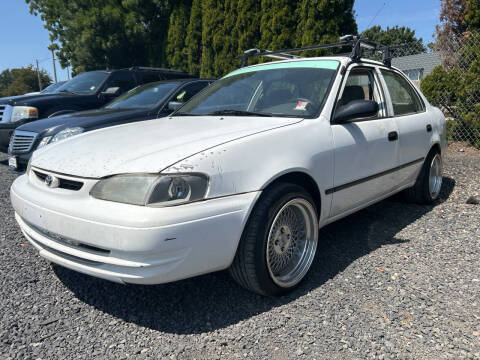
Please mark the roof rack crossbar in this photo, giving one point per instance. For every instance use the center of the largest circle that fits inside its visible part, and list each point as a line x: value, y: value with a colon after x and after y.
x: 358, y: 46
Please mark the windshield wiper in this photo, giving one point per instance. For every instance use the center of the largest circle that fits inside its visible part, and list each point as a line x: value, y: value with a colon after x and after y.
x: 67, y: 91
x: 185, y: 114
x: 239, y: 113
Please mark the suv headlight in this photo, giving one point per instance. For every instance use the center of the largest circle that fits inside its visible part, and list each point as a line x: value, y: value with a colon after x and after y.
x: 23, y: 112
x: 153, y: 190
x: 65, y: 134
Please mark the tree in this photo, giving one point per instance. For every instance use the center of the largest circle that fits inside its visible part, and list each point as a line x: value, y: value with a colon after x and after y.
x: 472, y: 15
x: 396, y: 35
x: 247, y: 25
x: 193, y: 41
x: 20, y: 81
x: 109, y: 33
x: 212, y: 20
x: 323, y: 21
x: 278, y: 24
x: 176, y: 50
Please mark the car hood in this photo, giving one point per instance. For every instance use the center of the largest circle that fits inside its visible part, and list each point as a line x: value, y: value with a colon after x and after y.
x: 11, y: 100
x: 148, y: 146
x: 86, y: 119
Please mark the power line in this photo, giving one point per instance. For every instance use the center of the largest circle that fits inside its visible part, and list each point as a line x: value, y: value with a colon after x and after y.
x: 378, y: 12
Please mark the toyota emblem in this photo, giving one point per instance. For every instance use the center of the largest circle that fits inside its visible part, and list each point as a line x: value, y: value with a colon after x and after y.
x: 51, y: 181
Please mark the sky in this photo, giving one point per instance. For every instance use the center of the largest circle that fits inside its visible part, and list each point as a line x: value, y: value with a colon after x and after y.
x: 24, y: 38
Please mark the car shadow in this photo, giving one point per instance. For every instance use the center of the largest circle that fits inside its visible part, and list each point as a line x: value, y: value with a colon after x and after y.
x: 4, y: 162
x: 215, y: 301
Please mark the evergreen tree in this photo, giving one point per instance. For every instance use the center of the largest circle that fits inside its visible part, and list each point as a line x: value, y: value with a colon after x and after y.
x: 324, y: 21
x: 193, y: 41
x: 278, y: 24
x: 226, y: 40
x: 23, y: 80
x: 212, y: 21
x: 176, y: 49
x: 395, y: 36
x: 247, y: 26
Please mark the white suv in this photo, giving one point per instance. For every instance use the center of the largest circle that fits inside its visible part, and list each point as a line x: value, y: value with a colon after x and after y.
x: 242, y: 177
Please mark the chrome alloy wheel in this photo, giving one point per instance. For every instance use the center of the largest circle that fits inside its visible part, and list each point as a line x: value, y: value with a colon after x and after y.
x: 435, y: 176
x: 292, y: 241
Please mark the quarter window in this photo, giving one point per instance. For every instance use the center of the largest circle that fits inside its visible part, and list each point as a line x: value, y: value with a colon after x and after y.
x: 404, y: 98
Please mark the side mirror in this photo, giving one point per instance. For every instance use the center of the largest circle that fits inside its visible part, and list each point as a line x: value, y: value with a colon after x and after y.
x: 111, y: 92
x: 174, y: 105
x: 355, y: 109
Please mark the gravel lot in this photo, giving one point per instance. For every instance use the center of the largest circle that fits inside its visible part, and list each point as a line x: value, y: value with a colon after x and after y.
x: 393, y: 281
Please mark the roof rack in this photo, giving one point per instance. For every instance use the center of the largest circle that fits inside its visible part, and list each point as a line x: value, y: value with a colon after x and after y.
x: 358, y: 46
x: 145, y: 68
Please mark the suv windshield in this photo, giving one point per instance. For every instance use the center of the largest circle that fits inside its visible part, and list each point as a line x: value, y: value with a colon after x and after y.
x: 85, y: 83
x: 145, y: 96
x: 53, y: 88
x: 288, y: 89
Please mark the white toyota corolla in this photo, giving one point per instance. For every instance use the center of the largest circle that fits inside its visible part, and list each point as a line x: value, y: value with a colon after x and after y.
x: 242, y: 177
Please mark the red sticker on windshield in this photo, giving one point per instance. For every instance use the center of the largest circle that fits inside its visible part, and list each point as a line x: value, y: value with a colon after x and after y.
x: 301, y: 105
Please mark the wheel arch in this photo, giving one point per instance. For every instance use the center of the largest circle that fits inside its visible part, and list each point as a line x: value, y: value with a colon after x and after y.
x: 300, y: 178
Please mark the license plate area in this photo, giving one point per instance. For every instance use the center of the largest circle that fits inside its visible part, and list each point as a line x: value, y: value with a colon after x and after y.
x: 12, y: 162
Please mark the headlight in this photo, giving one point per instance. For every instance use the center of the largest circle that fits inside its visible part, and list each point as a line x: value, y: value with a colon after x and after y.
x: 153, y: 190
x: 23, y: 112
x: 44, y: 142
x: 65, y: 134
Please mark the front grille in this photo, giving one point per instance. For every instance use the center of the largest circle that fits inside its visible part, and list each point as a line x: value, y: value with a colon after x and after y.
x: 2, y: 111
x: 62, y: 182
x: 22, y: 141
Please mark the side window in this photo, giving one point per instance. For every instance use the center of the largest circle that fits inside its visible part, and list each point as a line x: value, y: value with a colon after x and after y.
x: 360, y: 85
x: 188, y: 91
x: 123, y: 79
x: 404, y: 98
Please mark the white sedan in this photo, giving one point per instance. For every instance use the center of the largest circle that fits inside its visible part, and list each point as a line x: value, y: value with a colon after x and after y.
x: 242, y: 177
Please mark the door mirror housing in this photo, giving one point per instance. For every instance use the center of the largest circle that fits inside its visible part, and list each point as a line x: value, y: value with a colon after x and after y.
x: 355, y: 109
x: 174, y: 105
x: 111, y: 92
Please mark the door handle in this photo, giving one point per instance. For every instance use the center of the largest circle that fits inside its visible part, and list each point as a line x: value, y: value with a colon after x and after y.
x: 429, y: 128
x: 392, y: 136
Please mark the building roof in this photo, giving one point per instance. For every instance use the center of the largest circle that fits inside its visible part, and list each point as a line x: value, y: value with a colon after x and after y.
x: 425, y: 61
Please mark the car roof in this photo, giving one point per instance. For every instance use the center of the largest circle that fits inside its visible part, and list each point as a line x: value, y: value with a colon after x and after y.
x: 343, y: 59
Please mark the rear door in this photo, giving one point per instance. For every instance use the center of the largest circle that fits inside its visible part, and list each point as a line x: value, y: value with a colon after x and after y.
x: 366, y: 149
x: 412, y: 121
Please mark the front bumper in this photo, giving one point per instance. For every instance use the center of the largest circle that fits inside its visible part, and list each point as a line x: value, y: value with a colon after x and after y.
x: 127, y: 243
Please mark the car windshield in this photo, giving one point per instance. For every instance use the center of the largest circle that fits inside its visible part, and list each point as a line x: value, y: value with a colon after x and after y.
x: 85, y: 83
x: 145, y: 96
x: 287, y: 89
x: 52, y: 88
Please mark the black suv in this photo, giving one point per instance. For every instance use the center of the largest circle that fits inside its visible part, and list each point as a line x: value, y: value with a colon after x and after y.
x: 149, y: 101
x: 89, y: 90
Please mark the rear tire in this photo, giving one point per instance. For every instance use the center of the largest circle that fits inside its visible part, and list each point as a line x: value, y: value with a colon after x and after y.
x: 279, y: 241
x: 429, y: 182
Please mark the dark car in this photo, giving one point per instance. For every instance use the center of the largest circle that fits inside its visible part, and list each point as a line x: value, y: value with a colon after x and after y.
x: 52, y: 88
x: 149, y: 101
x: 89, y: 90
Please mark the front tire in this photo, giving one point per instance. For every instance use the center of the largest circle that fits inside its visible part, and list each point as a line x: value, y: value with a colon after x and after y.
x: 279, y: 241
x: 429, y: 182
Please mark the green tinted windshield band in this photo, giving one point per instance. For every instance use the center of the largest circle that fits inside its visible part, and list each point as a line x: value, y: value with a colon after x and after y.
x: 318, y: 64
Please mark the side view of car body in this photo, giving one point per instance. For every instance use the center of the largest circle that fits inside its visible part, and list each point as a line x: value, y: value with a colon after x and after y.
x: 144, y: 102
x: 241, y: 177
x: 88, y: 90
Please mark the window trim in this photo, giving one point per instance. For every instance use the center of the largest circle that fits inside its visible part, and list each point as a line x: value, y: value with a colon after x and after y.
x: 415, y: 90
x: 378, y: 83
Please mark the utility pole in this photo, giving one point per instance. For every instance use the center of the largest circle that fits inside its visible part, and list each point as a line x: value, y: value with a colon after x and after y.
x: 38, y: 76
x: 54, y: 68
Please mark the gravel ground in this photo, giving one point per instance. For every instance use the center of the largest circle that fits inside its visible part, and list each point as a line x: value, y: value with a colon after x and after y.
x: 394, y: 281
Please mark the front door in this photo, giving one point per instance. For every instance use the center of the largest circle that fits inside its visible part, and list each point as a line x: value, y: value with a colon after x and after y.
x: 366, y: 149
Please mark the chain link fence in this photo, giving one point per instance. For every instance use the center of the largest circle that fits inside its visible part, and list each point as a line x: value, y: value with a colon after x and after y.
x: 449, y: 76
